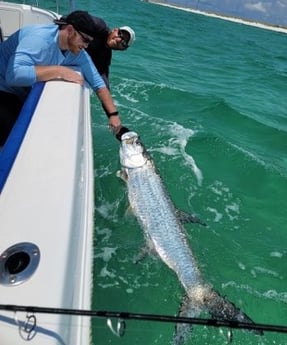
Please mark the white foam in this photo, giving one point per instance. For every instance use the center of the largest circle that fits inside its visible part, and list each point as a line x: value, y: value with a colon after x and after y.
x: 278, y: 296
x: 241, y: 266
x: 177, y: 144
x: 218, y: 216
x: 264, y: 271
x: 269, y: 294
x: 167, y: 150
x: 108, y: 210
x: 183, y: 135
x: 219, y: 189
x: 131, y: 90
x: 276, y: 254
x: 106, y: 254
x: 105, y: 273
x: 104, y: 171
x: 106, y: 234
x: 232, y: 211
x: 231, y: 207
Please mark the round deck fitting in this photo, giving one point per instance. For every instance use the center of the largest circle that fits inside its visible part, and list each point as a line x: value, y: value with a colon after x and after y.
x: 18, y: 263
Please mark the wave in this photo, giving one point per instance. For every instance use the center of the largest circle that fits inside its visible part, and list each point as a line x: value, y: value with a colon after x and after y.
x: 258, y: 138
x: 261, y: 138
x: 160, y: 122
x: 268, y: 294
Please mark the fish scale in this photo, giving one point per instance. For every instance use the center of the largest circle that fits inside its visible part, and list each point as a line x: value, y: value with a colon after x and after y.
x: 155, y: 211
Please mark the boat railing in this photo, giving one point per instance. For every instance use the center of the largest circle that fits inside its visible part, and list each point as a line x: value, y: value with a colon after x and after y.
x: 57, y: 7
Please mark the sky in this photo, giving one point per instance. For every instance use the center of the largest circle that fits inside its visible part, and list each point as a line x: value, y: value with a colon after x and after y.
x: 273, y: 12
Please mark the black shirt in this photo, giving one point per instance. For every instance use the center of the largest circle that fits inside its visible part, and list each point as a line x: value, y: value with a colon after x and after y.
x: 98, y: 50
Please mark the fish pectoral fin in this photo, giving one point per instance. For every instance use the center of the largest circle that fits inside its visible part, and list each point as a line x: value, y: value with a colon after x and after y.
x: 186, y: 217
x: 141, y: 255
x: 147, y: 250
x: 129, y: 212
x: 122, y: 174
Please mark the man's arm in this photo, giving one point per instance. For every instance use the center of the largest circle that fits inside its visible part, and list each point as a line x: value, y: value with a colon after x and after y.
x: 45, y: 73
x: 108, y: 104
x: 106, y: 79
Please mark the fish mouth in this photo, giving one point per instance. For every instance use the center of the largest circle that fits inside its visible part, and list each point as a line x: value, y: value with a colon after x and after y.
x: 129, y: 137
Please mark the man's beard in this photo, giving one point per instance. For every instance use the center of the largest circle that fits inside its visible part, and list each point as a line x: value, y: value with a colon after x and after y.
x: 74, y: 48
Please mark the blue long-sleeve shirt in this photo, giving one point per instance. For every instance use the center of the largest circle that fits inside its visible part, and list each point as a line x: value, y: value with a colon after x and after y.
x: 37, y: 45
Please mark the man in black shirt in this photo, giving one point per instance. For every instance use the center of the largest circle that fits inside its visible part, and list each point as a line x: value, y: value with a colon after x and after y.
x: 106, y: 40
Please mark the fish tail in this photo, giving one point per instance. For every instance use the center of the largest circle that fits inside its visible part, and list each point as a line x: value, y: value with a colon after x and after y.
x: 219, y: 308
x: 183, y: 330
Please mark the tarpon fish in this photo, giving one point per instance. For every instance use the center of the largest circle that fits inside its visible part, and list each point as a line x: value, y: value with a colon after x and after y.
x: 165, y: 234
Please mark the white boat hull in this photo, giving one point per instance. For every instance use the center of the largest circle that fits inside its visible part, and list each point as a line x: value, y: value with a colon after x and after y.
x: 46, y: 204
x: 47, y: 200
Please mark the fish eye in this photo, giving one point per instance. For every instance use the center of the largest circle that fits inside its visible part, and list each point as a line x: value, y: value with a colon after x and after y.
x: 138, y: 141
x: 129, y: 141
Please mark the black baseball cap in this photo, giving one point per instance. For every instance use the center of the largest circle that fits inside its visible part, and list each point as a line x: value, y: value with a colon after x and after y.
x: 81, y: 21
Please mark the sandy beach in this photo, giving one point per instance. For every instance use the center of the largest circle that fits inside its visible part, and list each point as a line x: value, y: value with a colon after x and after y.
x: 224, y: 17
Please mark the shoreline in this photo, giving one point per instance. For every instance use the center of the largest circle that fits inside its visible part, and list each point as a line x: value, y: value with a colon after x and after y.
x: 261, y: 25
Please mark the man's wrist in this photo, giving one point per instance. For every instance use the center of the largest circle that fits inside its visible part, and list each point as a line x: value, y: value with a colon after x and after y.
x: 113, y: 113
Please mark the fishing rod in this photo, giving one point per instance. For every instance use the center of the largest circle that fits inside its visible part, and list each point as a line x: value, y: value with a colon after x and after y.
x: 145, y: 317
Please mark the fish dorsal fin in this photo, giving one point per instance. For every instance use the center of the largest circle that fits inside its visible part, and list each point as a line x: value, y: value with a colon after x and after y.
x: 185, y: 217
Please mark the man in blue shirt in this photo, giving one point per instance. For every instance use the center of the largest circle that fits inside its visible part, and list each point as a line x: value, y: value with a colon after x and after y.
x: 47, y: 52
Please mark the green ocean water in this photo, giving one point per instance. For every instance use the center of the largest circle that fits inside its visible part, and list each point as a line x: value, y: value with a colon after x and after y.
x: 208, y: 98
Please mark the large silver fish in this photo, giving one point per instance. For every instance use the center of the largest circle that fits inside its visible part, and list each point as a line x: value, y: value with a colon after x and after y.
x: 166, y: 236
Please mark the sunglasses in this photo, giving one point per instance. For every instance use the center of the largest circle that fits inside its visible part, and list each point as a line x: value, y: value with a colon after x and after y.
x: 124, y: 43
x: 86, y: 40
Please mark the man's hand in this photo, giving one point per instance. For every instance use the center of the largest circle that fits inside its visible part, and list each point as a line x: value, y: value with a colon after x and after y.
x: 121, y: 131
x: 45, y: 73
x: 69, y: 74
